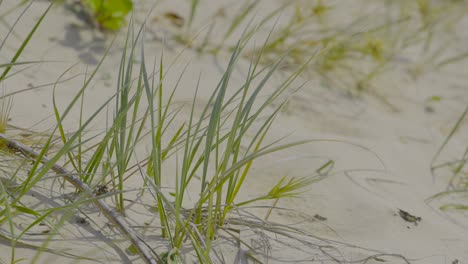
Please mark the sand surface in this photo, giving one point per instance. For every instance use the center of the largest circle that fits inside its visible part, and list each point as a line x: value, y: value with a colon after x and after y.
x: 382, y: 151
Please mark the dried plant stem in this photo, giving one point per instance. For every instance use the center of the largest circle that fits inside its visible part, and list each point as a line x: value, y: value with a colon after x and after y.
x: 111, y: 214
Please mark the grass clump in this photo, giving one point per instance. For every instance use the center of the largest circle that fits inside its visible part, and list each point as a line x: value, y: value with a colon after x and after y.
x: 194, y: 200
x: 353, y: 54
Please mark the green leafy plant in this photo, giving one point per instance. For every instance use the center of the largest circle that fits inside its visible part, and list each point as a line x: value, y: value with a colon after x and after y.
x: 109, y: 14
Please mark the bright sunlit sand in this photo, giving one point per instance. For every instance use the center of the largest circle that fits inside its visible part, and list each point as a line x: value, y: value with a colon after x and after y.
x: 211, y: 131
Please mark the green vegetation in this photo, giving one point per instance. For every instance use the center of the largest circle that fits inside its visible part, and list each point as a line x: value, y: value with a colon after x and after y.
x: 400, y: 34
x: 109, y: 14
x: 213, y: 154
x: 196, y: 166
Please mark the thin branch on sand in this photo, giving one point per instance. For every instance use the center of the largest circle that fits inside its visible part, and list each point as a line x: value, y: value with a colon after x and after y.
x: 110, y: 213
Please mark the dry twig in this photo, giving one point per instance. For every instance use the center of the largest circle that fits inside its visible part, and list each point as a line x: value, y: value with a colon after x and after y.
x: 110, y: 213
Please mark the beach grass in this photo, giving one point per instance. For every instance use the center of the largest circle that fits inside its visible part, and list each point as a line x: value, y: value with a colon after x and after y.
x: 213, y: 151
x: 188, y: 171
x: 400, y: 34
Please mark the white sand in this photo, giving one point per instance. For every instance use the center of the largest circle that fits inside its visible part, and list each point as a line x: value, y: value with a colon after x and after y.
x: 382, y: 156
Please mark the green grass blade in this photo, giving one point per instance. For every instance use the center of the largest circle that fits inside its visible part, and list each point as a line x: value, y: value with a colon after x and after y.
x: 25, y: 42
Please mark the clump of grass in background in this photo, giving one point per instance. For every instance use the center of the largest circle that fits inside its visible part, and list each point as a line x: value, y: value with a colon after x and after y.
x: 309, y: 31
x: 350, y: 56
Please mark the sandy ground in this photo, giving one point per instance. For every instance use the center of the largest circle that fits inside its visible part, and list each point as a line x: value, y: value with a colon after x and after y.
x: 382, y: 154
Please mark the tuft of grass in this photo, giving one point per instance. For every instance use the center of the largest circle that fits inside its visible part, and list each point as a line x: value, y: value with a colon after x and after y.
x: 214, y: 153
x: 378, y: 46
x: 213, y: 147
